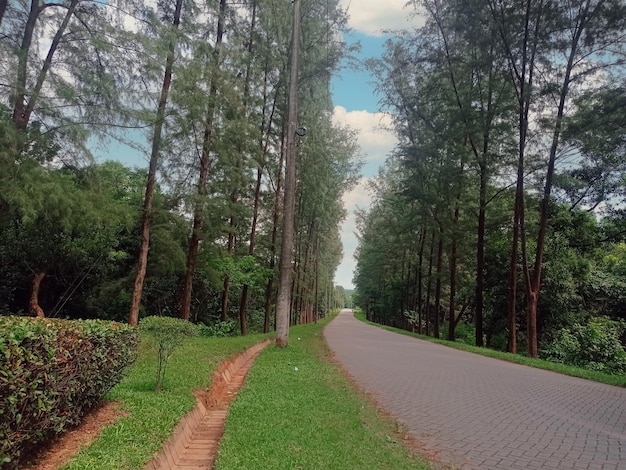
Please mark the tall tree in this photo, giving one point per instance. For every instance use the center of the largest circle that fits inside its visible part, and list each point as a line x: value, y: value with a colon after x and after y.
x: 159, y: 122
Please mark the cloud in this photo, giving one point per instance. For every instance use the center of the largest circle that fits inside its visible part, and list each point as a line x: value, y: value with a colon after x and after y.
x: 375, y: 137
x: 373, y: 17
x: 357, y: 198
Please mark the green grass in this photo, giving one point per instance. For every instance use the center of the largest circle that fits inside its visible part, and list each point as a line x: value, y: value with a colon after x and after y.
x: 309, y: 418
x: 618, y: 380
x: 133, y: 440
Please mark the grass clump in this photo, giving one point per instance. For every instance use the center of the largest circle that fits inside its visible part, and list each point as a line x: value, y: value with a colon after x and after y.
x: 299, y: 411
x: 573, y: 371
x: 151, y: 417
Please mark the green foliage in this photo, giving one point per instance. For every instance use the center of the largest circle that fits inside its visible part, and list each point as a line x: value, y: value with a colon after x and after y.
x: 169, y: 334
x: 595, y: 346
x: 52, y: 372
x: 150, y: 418
x: 220, y: 329
x: 463, y: 333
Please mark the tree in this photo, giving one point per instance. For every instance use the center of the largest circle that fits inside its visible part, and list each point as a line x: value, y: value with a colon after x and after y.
x: 152, y: 170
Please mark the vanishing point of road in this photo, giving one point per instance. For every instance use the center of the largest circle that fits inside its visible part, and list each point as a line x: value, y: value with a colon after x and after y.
x: 478, y: 413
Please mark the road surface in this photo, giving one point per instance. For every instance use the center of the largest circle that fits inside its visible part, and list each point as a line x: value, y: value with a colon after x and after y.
x: 475, y: 412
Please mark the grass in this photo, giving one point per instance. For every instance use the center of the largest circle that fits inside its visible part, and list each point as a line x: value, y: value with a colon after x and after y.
x: 609, y: 379
x: 133, y: 440
x: 298, y: 411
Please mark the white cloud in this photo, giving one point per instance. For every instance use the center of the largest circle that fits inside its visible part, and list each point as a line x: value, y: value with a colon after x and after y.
x: 358, y: 198
x: 376, y: 141
x: 375, y: 137
x: 373, y: 17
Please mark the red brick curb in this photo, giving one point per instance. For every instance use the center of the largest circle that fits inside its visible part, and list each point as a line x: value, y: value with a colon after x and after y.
x: 195, y: 440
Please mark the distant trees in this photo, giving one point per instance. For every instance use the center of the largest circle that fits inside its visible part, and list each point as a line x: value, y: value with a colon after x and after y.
x: 197, y: 234
x: 487, y: 100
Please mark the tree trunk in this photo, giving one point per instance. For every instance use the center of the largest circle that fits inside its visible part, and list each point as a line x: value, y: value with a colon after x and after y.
x: 534, y: 287
x: 33, y: 304
x: 207, y: 143
x: 451, y: 311
x: 142, y: 261
x: 430, y: 280
x: 286, y: 253
x: 269, y: 290
x: 419, y: 276
x: 438, y: 283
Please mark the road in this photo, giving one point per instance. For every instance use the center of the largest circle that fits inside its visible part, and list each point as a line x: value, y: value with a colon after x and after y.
x: 475, y: 412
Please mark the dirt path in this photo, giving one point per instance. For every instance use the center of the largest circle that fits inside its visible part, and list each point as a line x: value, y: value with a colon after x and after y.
x: 481, y: 413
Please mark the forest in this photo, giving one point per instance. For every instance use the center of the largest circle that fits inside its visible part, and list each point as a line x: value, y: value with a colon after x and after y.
x: 499, y: 220
x: 199, y: 91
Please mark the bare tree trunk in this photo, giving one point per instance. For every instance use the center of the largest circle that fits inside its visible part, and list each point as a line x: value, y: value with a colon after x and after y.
x: 207, y: 143
x: 142, y: 261
x: 33, y: 304
x: 286, y: 255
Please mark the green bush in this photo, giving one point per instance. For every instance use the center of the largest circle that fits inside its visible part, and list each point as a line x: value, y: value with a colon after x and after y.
x: 51, y: 373
x: 221, y: 329
x: 169, y: 334
x: 594, y: 346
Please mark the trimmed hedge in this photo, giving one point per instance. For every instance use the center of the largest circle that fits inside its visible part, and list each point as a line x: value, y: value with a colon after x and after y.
x: 51, y: 373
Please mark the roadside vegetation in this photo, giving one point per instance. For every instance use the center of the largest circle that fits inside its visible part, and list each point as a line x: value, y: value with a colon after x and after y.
x: 151, y: 416
x: 597, y: 376
x: 298, y: 410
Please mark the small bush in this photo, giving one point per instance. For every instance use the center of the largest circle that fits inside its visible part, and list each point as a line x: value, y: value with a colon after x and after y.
x: 594, y: 346
x: 51, y: 373
x: 169, y: 334
x: 221, y: 329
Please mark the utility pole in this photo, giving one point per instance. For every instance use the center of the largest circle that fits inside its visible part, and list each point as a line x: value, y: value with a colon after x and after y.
x: 283, y: 302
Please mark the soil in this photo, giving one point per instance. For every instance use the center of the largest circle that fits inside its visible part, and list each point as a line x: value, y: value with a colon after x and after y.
x: 60, y: 451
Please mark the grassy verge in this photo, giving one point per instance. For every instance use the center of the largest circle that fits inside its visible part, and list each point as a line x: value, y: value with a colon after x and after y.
x: 618, y: 380
x: 152, y: 416
x: 299, y: 411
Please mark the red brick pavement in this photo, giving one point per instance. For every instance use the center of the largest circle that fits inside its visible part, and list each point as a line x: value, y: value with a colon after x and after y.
x: 480, y: 413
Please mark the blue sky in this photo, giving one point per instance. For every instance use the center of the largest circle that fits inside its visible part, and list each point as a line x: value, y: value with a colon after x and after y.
x: 356, y: 105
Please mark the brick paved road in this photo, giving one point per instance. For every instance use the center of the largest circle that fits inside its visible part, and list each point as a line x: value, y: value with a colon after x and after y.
x: 480, y: 413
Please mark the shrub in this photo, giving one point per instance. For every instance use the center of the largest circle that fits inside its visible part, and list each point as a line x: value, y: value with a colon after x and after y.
x: 169, y: 334
x: 594, y: 346
x: 51, y: 373
x: 219, y: 330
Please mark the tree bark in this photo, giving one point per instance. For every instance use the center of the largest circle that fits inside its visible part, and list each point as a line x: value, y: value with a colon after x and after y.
x: 33, y: 304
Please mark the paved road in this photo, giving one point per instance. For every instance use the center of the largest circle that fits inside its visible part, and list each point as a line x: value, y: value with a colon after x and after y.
x: 475, y: 412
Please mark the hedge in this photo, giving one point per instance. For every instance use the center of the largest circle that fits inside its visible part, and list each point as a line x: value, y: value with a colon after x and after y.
x: 51, y: 373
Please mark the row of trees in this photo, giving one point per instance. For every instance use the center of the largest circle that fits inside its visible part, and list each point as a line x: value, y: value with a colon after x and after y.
x: 502, y: 206
x: 198, y: 89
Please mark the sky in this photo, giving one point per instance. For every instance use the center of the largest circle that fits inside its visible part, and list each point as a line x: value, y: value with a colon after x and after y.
x: 357, y: 105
